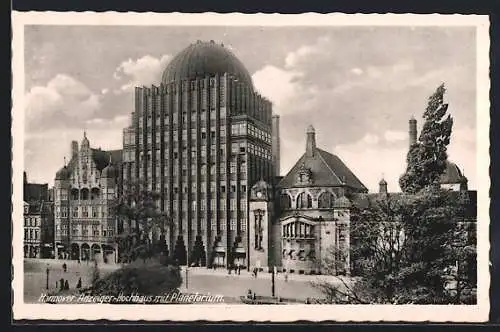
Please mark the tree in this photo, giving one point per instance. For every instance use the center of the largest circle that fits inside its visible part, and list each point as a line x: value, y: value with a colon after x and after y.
x: 399, y: 248
x: 139, y: 218
x: 426, y: 160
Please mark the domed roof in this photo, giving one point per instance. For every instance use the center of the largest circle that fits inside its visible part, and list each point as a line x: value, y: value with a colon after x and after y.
x: 452, y: 174
x: 203, y: 59
x: 342, y: 202
x: 63, y: 174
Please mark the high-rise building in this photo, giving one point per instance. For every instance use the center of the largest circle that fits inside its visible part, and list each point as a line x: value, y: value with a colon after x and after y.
x: 201, y: 138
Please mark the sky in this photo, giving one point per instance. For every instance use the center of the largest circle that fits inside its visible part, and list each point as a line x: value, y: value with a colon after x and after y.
x: 358, y: 87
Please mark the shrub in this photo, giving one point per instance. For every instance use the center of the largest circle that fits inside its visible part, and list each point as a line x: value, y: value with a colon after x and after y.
x: 146, y: 279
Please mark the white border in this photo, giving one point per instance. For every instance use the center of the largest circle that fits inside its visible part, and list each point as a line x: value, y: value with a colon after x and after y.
x: 434, y: 313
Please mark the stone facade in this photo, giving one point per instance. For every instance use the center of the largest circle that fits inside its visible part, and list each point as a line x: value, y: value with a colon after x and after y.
x: 84, y: 190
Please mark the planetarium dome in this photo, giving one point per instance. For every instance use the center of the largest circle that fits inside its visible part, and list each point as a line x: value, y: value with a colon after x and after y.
x: 203, y: 59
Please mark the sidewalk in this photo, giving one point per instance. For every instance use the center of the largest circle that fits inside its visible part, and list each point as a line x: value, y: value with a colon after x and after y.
x: 261, y: 275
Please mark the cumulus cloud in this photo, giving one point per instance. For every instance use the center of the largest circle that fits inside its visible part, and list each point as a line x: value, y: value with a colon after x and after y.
x: 370, y: 162
x: 360, y: 105
x: 64, y: 100
x: 395, y: 136
x: 146, y: 70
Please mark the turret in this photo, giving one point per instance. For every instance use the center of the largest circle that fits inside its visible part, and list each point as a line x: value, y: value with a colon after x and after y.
x: 382, y: 185
x: 311, y: 141
x: 412, y: 131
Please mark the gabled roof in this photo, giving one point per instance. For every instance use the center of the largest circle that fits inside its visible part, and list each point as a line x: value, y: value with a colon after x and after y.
x: 327, y: 170
x: 101, y: 157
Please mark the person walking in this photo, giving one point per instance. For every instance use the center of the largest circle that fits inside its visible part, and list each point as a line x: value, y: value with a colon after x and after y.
x: 79, y: 284
x: 66, y: 284
x: 65, y: 267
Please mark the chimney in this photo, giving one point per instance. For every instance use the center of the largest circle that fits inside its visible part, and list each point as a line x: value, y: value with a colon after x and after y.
x: 74, y: 149
x: 275, y: 147
x: 382, y: 186
x: 413, y: 131
x: 311, y: 141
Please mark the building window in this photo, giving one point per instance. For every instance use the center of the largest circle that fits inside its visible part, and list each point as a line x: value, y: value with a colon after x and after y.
x: 304, y: 201
x: 286, y: 201
x: 325, y: 200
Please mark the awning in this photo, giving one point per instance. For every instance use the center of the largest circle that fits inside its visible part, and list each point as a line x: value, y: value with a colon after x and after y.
x: 60, y: 246
x: 240, y: 250
x: 48, y: 245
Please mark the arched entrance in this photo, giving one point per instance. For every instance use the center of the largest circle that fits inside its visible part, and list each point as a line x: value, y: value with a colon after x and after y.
x: 95, y: 250
x: 108, y: 254
x: 75, y: 251
x: 61, y: 251
x: 85, y: 252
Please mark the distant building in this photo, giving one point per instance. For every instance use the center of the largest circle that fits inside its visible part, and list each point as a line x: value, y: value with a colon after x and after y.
x: 38, y: 229
x: 83, y: 192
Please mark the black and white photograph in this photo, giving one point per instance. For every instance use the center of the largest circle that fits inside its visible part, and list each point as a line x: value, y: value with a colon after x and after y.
x: 250, y: 167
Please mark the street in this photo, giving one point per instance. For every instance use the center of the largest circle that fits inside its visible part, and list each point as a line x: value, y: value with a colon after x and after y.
x: 201, y: 280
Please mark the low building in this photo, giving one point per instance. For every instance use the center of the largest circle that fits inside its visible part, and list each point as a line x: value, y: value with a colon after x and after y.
x: 38, y: 229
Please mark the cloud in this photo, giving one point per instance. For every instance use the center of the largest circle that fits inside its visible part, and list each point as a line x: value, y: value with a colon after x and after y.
x: 370, y: 162
x: 146, y: 70
x: 276, y: 84
x: 362, y: 102
x: 395, y: 136
x: 357, y: 71
x: 63, y: 101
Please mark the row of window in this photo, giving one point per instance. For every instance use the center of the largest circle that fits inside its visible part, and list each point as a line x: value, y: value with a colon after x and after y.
x: 32, y: 221
x: 297, y: 230
x: 82, y: 212
x: 250, y: 129
x: 304, y: 201
x: 192, y: 116
x: 31, y: 234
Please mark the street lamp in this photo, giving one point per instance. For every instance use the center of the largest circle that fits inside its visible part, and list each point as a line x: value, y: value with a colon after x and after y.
x: 187, y: 283
x: 272, y: 281
x: 47, y: 271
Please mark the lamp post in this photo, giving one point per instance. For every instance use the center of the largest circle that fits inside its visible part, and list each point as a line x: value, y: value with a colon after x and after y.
x: 272, y: 281
x: 187, y: 283
x: 47, y: 281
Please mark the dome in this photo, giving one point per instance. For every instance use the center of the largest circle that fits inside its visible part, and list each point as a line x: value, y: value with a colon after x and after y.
x: 63, y: 174
x: 452, y: 174
x: 203, y: 59
x: 342, y: 202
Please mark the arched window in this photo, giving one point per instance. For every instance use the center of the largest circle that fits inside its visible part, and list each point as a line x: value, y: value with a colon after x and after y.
x: 286, y: 201
x: 84, y: 194
x: 304, y: 201
x: 325, y: 200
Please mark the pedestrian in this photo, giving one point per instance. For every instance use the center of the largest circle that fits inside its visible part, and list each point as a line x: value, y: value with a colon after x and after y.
x: 78, y: 260
x: 65, y: 267
x: 286, y: 276
x: 239, y: 269
x: 66, y: 284
x: 79, y: 284
x: 61, y: 284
